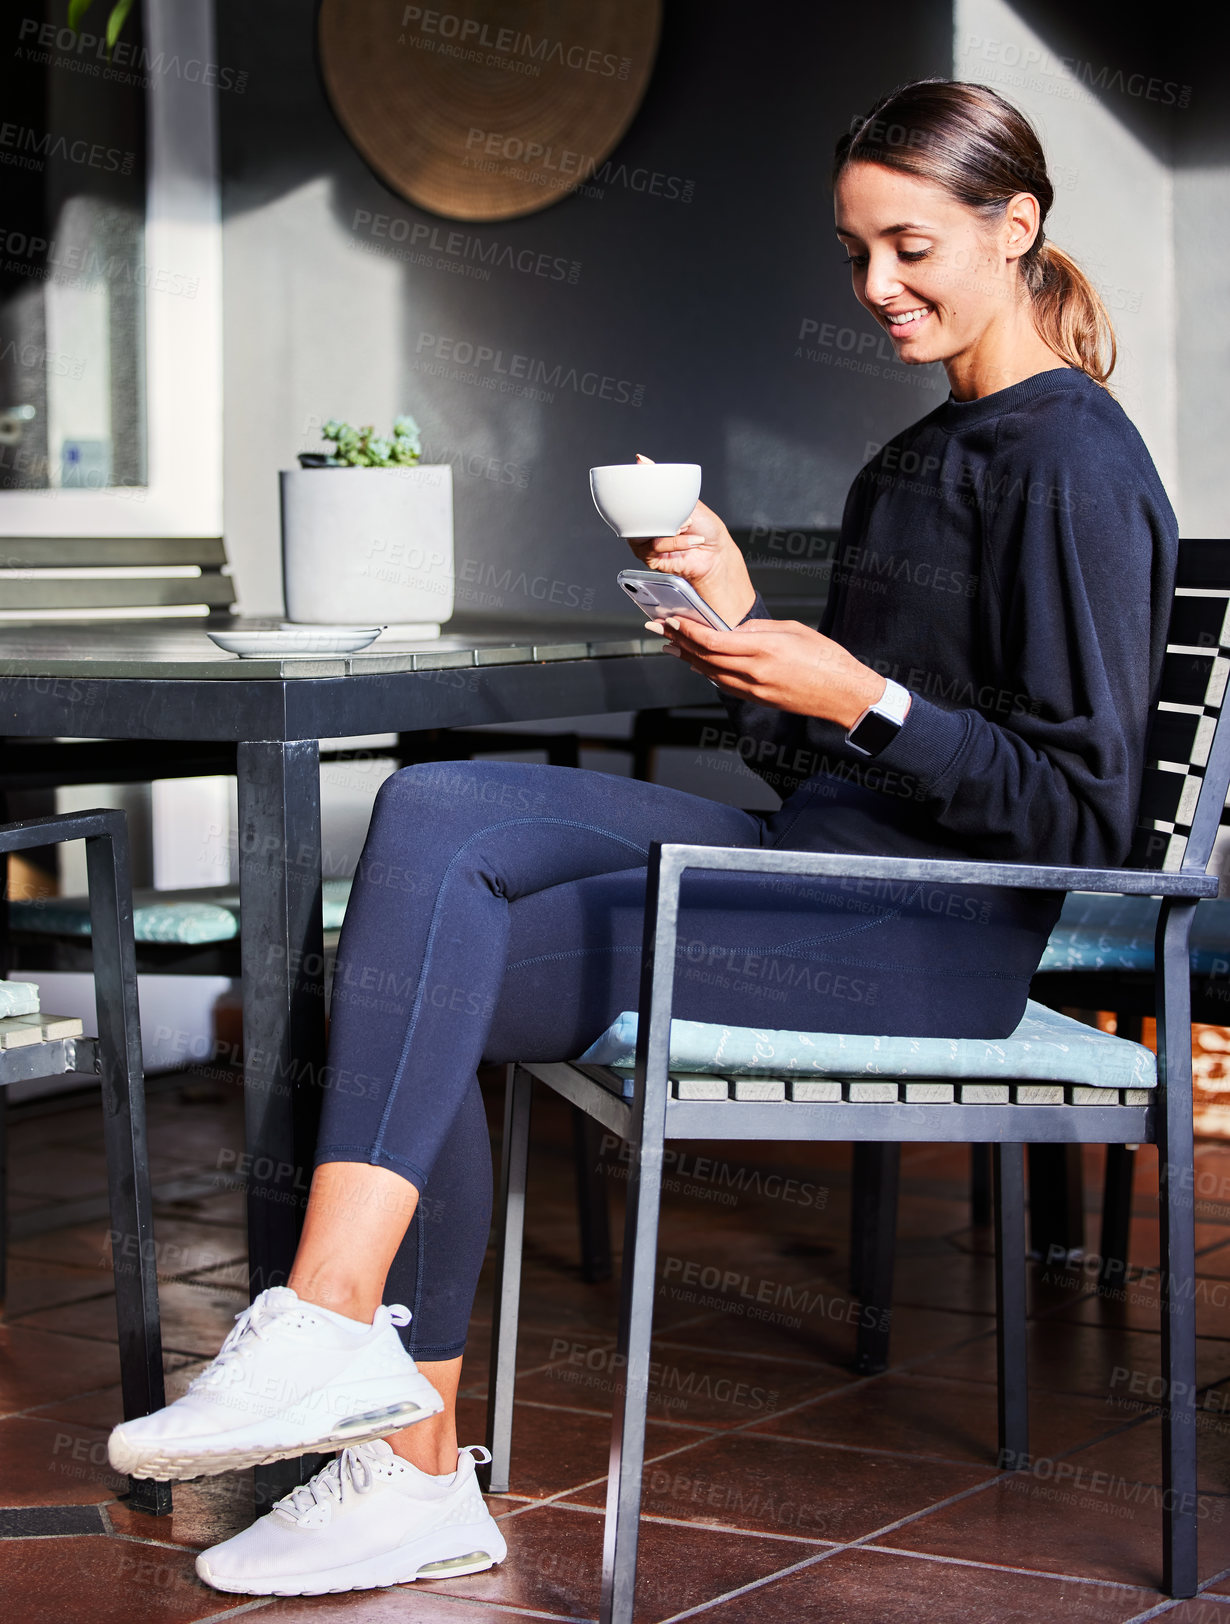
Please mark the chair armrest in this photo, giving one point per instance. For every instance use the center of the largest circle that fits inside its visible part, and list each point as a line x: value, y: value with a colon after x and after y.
x: 674, y: 859
x: 668, y: 862
x: 51, y: 830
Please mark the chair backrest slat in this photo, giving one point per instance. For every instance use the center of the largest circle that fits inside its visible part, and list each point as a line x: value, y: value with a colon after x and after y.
x: 1199, y: 623
x: 118, y: 594
x: 52, y: 552
x: 1153, y: 848
x: 1178, y: 736
x: 45, y: 576
x: 1181, y: 810
x: 1186, y: 678
x: 1202, y: 566
x: 1167, y: 796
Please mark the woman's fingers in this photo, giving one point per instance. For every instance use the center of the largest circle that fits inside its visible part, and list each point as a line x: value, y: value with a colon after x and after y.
x: 706, y: 639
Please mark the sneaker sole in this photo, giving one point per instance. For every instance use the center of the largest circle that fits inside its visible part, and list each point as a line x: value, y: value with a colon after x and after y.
x: 207, y: 1457
x: 448, y: 1553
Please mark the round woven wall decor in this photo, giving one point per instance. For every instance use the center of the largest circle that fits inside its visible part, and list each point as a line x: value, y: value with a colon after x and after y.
x: 493, y: 108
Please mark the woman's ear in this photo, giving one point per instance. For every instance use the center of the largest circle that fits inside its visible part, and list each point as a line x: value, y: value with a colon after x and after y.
x: 1021, y: 224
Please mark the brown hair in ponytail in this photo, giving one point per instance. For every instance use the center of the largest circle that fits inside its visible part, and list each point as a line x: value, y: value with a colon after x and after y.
x: 983, y: 152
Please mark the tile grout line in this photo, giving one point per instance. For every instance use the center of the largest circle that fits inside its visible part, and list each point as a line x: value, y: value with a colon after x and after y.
x: 744, y: 1427
x: 577, y: 1409
x: 1001, y: 1567
x: 747, y: 1427
x: 704, y: 1527
x: 237, y: 1612
x: 753, y: 1585
x: 920, y: 1556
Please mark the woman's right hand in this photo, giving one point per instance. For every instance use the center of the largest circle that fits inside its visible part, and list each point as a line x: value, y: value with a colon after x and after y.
x: 704, y: 553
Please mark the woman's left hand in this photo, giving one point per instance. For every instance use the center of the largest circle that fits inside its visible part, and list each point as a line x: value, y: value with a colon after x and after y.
x: 780, y: 663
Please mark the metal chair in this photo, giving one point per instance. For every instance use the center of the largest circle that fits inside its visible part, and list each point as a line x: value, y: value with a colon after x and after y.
x: 1089, y: 966
x: 47, y: 1046
x: 1010, y: 1111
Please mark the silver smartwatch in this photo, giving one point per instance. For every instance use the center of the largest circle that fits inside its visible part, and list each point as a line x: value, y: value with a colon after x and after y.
x: 880, y: 723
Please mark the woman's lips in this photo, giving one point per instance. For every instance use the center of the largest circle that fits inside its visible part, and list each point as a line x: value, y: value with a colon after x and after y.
x: 915, y: 318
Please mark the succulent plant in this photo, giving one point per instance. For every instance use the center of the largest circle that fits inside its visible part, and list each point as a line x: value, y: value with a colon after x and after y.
x: 364, y: 448
x: 115, y: 22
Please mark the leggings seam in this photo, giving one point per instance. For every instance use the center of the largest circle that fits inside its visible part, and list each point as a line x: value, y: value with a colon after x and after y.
x: 509, y: 823
x: 571, y: 953
x: 418, y: 1270
x: 933, y: 975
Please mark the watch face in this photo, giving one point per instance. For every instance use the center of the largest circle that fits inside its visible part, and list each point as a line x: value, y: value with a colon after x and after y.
x: 874, y: 733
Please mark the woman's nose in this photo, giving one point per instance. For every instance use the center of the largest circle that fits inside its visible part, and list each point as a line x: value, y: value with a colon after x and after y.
x: 883, y: 280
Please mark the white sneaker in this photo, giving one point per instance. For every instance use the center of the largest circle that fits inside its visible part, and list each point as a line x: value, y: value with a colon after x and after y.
x: 368, y: 1520
x: 290, y: 1378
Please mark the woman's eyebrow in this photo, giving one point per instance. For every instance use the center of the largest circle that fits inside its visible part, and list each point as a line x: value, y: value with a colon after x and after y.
x: 889, y: 231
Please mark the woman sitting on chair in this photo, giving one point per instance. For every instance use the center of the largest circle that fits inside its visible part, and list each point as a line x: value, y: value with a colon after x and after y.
x: 979, y: 686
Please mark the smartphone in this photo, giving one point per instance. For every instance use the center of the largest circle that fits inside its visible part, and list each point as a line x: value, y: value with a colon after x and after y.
x: 658, y: 596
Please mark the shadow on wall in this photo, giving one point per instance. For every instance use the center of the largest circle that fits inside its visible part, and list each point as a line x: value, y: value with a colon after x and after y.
x: 690, y: 302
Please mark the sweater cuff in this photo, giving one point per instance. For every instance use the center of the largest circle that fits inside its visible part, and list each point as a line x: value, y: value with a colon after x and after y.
x: 928, y: 742
x: 758, y: 611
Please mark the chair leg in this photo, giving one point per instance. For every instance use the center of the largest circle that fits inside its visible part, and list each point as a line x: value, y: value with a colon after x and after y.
x: 1056, y: 1202
x: 980, y: 1186
x: 1116, y: 1216
x: 4, y: 1199
x: 632, y: 1359
x: 1117, y: 1192
x: 860, y: 1221
x: 877, y: 1169
x: 127, y: 1152
x: 514, y: 1163
x: 1008, y: 1165
x: 592, y: 1213
x: 1176, y: 1163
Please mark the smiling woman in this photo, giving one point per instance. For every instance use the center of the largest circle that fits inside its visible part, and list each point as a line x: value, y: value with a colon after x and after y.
x: 979, y: 687
x: 971, y: 172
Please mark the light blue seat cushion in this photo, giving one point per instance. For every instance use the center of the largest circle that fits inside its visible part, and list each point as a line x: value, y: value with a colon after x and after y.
x: 18, y: 998
x: 1097, y: 931
x: 186, y: 919
x: 1045, y: 1048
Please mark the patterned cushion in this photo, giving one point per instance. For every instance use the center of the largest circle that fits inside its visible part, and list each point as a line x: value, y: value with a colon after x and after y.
x: 1045, y: 1048
x: 183, y: 919
x: 1097, y: 931
x: 18, y: 998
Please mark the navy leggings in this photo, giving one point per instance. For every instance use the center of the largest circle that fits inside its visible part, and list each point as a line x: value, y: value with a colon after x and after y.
x: 496, y: 915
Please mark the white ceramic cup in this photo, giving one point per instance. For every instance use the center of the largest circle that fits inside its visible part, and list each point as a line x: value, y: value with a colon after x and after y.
x: 645, y: 498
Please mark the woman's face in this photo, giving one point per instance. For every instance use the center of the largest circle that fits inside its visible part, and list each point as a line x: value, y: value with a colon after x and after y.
x: 932, y: 272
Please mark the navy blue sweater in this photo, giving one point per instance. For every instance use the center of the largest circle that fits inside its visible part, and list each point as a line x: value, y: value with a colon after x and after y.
x: 1010, y: 561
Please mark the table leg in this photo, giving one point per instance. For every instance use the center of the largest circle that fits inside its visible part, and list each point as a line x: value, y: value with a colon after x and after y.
x: 282, y: 957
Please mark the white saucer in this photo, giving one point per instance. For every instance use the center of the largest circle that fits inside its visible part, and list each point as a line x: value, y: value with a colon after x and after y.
x: 287, y: 641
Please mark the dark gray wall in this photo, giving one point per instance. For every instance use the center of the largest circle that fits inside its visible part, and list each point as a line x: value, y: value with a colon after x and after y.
x: 703, y: 303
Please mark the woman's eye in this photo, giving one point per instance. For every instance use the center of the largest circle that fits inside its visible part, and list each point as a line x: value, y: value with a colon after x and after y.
x: 857, y: 260
x: 911, y: 255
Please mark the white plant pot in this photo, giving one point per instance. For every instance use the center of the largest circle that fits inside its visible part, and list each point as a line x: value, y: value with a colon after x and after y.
x: 368, y: 546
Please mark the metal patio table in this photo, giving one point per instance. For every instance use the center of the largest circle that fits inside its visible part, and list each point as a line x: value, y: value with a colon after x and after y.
x: 163, y: 681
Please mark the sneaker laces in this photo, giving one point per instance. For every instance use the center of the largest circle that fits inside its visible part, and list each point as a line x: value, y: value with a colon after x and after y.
x: 255, y: 1321
x: 252, y: 1322
x: 349, y: 1472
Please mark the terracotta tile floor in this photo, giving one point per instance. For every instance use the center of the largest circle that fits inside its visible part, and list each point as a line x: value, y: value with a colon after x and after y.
x: 779, y: 1486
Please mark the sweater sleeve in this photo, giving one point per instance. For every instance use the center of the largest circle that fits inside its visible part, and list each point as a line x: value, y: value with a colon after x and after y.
x: 1079, y: 560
